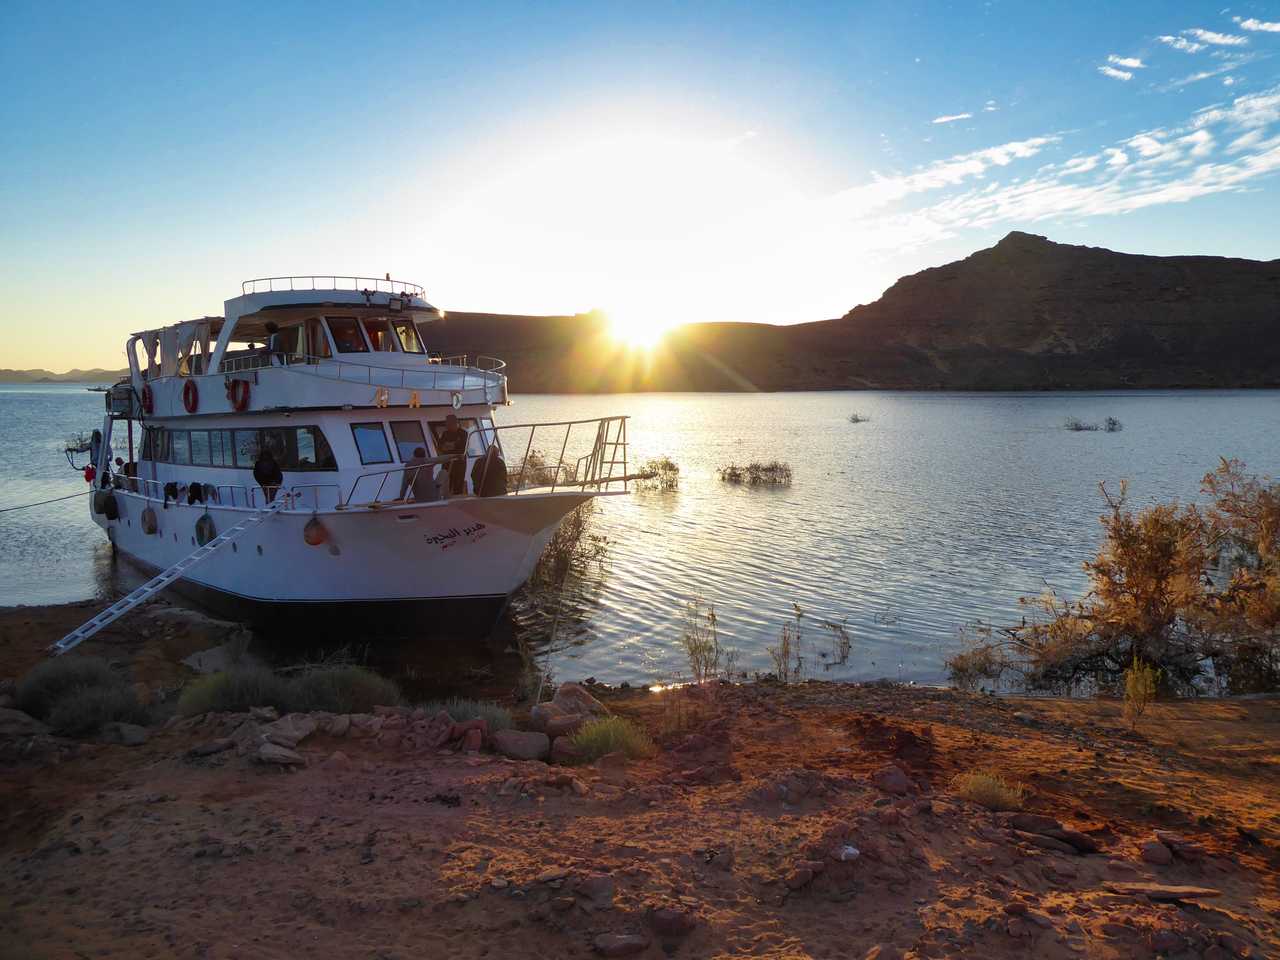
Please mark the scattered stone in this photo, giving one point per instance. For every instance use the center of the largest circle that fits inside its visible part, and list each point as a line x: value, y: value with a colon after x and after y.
x: 1181, y: 847
x: 798, y: 878
x: 1167, y: 941
x: 15, y: 725
x: 883, y: 951
x: 1017, y: 928
x: 522, y: 744
x: 846, y: 853
x: 339, y: 725
x: 564, y: 752
x: 565, y: 726
x: 1161, y: 891
x: 573, y: 698
x: 1153, y: 851
x: 598, y: 888
x: 891, y: 779
x: 264, y: 714
x: 274, y: 753
x: 1233, y: 944
x: 1048, y: 843
x: 1033, y: 822
x: 210, y: 747
x: 543, y: 713
x: 473, y: 740
x: 619, y: 944
x: 613, y: 767
x: 336, y: 759
x: 365, y: 726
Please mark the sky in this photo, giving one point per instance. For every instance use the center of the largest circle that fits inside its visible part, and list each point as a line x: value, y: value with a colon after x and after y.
x: 665, y: 162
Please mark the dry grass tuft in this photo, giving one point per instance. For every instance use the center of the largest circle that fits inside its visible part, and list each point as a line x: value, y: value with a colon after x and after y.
x: 989, y: 790
x: 613, y: 735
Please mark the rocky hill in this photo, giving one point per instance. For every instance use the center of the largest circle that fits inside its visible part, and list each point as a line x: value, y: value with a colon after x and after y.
x: 1026, y: 314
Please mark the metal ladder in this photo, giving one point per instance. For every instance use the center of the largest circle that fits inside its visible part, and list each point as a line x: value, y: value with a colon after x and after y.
x: 162, y: 580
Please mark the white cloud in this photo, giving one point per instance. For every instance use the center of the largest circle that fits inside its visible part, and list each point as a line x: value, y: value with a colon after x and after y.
x: 1258, y: 25
x: 990, y: 107
x: 1181, y: 43
x: 1245, y: 141
x: 952, y: 118
x: 1115, y: 74
x: 1200, y: 143
x: 1247, y: 112
x: 1080, y: 164
x: 1217, y: 39
x: 1116, y: 157
x: 1133, y: 63
x: 1228, y: 81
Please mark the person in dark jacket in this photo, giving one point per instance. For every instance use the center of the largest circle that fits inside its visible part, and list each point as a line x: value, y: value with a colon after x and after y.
x: 489, y: 474
x: 267, y: 472
x: 419, y: 476
x: 453, y: 441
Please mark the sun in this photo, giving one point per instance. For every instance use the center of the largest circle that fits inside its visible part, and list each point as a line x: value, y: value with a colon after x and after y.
x: 640, y: 329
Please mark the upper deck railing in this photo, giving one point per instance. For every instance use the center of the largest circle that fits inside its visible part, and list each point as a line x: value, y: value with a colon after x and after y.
x: 357, y: 284
x: 447, y: 373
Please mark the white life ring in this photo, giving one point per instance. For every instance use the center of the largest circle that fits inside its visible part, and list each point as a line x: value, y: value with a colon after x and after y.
x: 456, y: 400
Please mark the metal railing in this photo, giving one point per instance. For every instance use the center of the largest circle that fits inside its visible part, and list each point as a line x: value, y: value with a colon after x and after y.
x: 603, y: 463
x: 432, y: 376
x: 358, y: 284
x: 305, y: 497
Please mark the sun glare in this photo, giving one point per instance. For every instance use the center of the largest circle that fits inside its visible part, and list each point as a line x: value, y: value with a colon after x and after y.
x: 639, y: 328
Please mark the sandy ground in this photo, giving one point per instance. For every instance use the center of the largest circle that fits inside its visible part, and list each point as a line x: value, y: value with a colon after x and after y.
x: 724, y: 844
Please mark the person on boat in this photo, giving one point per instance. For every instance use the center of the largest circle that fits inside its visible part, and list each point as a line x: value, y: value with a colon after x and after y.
x: 267, y: 472
x: 489, y: 474
x: 420, y: 477
x: 453, y: 442
x: 272, y: 348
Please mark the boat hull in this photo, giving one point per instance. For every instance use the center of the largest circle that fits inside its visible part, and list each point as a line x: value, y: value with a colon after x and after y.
x: 443, y: 568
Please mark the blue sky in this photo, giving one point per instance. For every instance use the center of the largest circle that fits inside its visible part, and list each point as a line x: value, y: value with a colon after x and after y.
x: 669, y: 162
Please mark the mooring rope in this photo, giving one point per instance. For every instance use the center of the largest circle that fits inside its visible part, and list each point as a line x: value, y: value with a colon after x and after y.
x: 41, y: 503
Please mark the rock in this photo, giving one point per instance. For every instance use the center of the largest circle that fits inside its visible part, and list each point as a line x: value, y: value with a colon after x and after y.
x: 365, y: 726
x: 1048, y: 843
x: 210, y: 747
x: 1233, y: 944
x: 565, y: 726
x: 1153, y: 851
x: 382, y: 711
x: 598, y: 888
x: 522, y: 744
x: 125, y: 734
x: 543, y: 713
x: 337, y: 759
x: 1017, y: 928
x: 1181, y: 847
x: 247, y: 738
x: 294, y: 728
x: 563, y: 751
x: 573, y: 698
x: 434, y: 732
x: 722, y: 859
x: 1166, y: 941
x: 891, y: 779
x: 473, y: 740
x: 1033, y: 823
x: 15, y: 725
x: 846, y: 853
x: 1015, y: 908
x: 339, y: 725
x: 883, y: 951
x: 1161, y: 891
x: 264, y: 714
x: 273, y: 753
x: 671, y: 922
x: 619, y: 944
x: 1081, y: 841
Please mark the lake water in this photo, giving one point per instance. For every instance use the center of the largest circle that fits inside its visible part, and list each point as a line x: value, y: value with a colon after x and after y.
x: 942, y: 509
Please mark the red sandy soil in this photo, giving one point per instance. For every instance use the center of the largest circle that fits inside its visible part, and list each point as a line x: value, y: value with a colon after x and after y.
x: 143, y: 852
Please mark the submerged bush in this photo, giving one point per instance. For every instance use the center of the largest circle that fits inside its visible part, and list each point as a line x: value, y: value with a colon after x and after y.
x: 235, y: 691
x: 343, y: 689
x: 989, y: 790
x: 774, y: 473
x: 40, y: 690
x: 660, y: 473
x: 1110, y: 425
x: 856, y: 417
x: 612, y: 735
x: 495, y: 716
x: 82, y: 711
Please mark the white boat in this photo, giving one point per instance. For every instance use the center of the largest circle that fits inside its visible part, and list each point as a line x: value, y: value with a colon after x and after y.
x: 332, y: 376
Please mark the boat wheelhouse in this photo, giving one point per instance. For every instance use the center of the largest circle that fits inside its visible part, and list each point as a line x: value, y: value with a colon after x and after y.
x: 307, y: 453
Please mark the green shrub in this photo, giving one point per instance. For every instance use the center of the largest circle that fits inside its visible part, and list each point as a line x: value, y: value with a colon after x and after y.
x: 82, y: 711
x: 496, y: 716
x: 612, y: 735
x: 344, y: 689
x: 754, y: 474
x: 989, y: 790
x: 235, y: 691
x: 40, y: 690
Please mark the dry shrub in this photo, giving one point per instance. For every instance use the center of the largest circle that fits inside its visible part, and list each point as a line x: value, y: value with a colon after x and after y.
x: 343, y: 689
x: 83, y: 711
x: 572, y: 548
x: 612, y: 735
x: 989, y: 790
x: 235, y: 691
x: 40, y: 690
x: 788, y: 655
x: 495, y: 716
x: 1154, y: 597
x: 1139, y: 690
x: 701, y: 641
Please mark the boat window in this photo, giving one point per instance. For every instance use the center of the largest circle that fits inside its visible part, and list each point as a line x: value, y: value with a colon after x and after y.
x: 179, y: 446
x: 200, y: 448
x: 276, y: 441
x: 220, y: 449
x: 379, y: 332
x: 408, y: 436
x: 246, y: 448
x: 410, y: 342
x: 371, y: 441
x: 317, y: 342
x: 289, y: 343
x: 346, y: 335
x: 312, y: 451
x: 475, y: 438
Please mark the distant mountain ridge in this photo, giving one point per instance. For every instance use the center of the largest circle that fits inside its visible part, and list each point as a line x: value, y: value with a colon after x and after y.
x: 96, y: 376
x: 1026, y: 314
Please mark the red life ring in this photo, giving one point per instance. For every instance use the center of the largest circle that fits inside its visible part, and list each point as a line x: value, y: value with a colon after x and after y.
x: 238, y: 395
x: 191, y: 396
x: 148, y: 399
